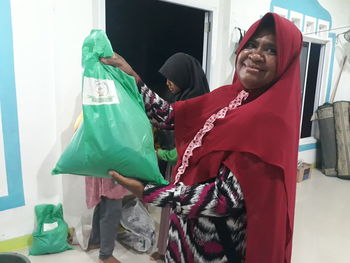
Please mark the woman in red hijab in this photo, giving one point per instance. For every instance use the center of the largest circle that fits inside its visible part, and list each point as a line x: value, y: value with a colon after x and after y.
x: 233, y: 196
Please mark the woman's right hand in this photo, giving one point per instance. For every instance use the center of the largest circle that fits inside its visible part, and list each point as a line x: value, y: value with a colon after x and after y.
x: 133, y: 185
x: 119, y: 62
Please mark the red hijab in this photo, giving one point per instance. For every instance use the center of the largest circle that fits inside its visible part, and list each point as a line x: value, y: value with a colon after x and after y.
x: 258, y: 142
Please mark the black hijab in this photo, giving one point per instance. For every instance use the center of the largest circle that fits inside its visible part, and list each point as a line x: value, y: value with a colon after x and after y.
x: 187, y: 74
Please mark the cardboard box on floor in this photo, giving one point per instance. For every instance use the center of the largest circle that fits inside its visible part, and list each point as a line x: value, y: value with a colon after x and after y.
x: 304, y: 172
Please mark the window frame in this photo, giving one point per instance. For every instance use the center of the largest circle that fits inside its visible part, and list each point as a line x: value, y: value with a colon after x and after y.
x: 322, y: 80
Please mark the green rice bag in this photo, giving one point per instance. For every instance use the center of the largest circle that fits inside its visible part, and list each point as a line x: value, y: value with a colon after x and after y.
x: 115, y: 133
x: 50, y: 235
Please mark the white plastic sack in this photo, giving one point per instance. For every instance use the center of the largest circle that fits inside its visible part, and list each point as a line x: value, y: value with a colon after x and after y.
x: 139, y: 227
x: 82, y: 230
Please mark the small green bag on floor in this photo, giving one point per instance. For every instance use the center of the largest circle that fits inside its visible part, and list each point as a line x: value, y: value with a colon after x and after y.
x: 50, y: 235
x: 115, y: 133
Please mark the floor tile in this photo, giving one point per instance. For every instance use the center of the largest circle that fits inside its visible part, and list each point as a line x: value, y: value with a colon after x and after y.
x: 321, y: 235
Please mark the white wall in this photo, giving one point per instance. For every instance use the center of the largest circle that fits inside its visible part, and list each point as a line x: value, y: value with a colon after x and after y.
x: 340, y: 19
x: 48, y: 35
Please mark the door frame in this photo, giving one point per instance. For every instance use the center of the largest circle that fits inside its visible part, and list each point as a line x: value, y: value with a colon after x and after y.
x: 212, y: 44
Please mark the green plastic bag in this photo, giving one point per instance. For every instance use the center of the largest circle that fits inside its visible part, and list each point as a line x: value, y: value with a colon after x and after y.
x: 115, y: 133
x: 50, y: 235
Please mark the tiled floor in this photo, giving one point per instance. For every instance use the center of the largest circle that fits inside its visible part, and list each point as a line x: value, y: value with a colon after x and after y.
x: 322, y: 227
x: 79, y: 256
x: 322, y: 221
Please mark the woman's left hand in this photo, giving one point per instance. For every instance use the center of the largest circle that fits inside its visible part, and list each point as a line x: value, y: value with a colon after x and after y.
x: 119, y: 62
x: 134, y: 186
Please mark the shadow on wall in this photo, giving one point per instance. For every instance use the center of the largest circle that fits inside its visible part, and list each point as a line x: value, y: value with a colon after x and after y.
x: 66, y: 189
x: 234, y: 42
x: 342, y: 49
x: 67, y: 134
x: 48, y: 186
x: 342, y: 58
x: 73, y: 186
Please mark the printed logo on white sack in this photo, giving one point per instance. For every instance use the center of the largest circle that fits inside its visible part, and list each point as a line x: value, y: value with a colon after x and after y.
x: 99, y: 91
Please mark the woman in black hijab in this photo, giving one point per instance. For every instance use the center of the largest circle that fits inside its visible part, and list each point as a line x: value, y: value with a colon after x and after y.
x: 185, y: 80
x: 185, y: 73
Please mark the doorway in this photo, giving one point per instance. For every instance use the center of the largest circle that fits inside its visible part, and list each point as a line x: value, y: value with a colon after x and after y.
x: 147, y: 32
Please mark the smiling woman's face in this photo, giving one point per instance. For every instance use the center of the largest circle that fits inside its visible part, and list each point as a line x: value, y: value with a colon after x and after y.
x: 257, y: 62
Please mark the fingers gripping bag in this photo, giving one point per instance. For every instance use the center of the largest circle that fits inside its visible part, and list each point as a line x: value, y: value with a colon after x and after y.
x: 115, y: 132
